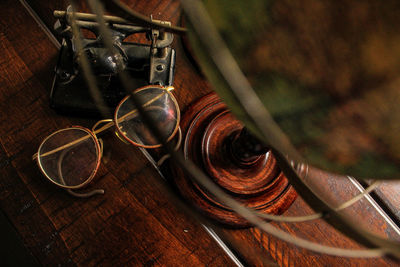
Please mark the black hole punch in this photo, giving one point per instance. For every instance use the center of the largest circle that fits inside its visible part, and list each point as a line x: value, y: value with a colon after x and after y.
x: 160, y: 67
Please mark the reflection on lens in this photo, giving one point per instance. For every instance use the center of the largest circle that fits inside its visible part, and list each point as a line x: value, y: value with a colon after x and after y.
x: 69, y: 157
x: 159, y: 104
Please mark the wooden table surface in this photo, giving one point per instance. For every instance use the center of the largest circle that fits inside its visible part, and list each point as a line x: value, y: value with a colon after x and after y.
x: 134, y: 223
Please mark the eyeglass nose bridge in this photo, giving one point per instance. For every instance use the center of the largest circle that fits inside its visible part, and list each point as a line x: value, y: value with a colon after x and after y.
x: 70, y: 191
x: 76, y: 194
x: 117, y: 134
x: 109, y: 124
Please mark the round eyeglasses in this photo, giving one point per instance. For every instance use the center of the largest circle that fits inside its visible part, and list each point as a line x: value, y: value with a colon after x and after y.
x: 71, y: 157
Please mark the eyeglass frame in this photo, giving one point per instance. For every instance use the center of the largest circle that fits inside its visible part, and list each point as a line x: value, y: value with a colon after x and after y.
x: 99, y: 144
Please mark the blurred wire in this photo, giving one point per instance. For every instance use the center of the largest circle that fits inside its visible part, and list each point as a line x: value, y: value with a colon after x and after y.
x: 86, y: 68
x: 225, y: 72
x: 250, y: 215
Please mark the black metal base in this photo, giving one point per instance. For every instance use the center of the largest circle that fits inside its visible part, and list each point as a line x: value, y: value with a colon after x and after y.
x: 71, y: 96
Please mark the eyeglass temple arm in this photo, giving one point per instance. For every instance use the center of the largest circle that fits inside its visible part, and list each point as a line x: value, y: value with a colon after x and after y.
x: 70, y: 191
x: 85, y: 195
x: 178, y: 144
x: 93, y: 192
x: 75, y: 194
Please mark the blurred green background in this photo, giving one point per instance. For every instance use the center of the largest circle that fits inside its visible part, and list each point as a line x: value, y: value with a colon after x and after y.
x: 329, y: 73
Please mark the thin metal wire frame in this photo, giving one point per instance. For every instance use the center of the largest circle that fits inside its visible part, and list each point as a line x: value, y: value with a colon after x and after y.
x: 168, y: 90
x: 98, y: 157
x: 98, y: 143
x: 133, y: 112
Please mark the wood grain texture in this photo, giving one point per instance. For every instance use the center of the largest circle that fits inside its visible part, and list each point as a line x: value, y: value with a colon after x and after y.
x: 208, y: 128
x: 134, y: 223
x: 336, y: 190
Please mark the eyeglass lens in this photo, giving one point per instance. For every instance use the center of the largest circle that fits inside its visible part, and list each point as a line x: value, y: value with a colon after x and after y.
x: 69, y: 157
x: 159, y: 105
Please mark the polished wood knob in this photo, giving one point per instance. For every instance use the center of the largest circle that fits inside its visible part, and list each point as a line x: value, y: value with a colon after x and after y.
x: 235, y: 160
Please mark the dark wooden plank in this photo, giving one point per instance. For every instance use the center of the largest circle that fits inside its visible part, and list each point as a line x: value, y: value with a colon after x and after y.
x: 20, y: 206
x: 117, y: 228
x: 134, y: 223
x: 335, y: 190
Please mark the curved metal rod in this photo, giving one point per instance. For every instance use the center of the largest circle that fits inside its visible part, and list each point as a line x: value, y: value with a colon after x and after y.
x: 177, y: 146
x: 319, y: 215
x: 101, y: 129
x: 227, y: 74
x: 70, y: 191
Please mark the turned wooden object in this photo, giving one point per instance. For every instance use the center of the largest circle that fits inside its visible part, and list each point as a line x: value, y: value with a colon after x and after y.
x: 235, y: 160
